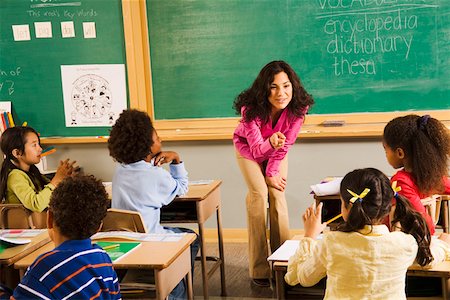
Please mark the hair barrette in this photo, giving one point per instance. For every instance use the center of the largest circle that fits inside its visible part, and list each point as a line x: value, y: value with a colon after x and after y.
x: 423, y: 121
x: 396, y: 188
x: 356, y: 196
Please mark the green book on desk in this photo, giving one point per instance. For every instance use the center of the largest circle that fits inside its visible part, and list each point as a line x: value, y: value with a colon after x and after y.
x: 117, y: 250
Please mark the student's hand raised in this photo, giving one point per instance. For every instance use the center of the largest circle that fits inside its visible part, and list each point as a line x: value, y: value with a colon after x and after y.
x: 277, y: 140
x: 166, y: 157
x: 312, y: 220
x: 277, y: 182
x: 65, y: 169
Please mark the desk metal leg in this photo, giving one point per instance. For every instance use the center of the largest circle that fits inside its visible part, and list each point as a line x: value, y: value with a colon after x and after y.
x: 221, y: 253
x: 444, y: 287
x: 190, y: 290
x: 203, y: 258
x: 279, y: 282
x: 445, y: 224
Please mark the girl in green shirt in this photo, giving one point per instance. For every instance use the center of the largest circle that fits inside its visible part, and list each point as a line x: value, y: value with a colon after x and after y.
x: 20, y: 180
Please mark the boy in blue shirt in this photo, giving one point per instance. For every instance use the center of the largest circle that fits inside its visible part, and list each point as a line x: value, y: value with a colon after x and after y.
x: 75, y: 269
x: 140, y: 183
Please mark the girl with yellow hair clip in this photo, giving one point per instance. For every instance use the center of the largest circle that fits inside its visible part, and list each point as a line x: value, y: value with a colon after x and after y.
x: 363, y: 259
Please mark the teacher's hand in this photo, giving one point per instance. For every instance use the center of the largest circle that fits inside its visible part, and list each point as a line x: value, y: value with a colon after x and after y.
x: 277, y: 182
x: 277, y: 140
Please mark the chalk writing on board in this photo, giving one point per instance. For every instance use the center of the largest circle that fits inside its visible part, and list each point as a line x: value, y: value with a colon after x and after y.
x: 58, y: 12
x: 359, y: 33
x: 7, y: 83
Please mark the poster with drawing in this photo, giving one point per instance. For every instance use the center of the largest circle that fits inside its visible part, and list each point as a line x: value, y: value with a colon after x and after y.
x: 94, y: 95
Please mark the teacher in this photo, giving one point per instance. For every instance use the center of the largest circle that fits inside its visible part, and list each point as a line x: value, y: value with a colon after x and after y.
x: 273, y: 110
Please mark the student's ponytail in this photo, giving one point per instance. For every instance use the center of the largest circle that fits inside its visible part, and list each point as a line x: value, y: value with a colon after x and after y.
x: 413, y: 223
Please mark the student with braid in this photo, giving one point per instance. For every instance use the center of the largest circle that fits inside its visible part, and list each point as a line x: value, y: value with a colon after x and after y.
x: 421, y: 147
x: 363, y: 259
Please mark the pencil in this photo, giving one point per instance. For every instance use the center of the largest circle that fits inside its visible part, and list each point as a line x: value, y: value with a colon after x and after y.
x: 333, y: 219
x: 111, y: 246
x: 48, y: 152
x: 48, y: 149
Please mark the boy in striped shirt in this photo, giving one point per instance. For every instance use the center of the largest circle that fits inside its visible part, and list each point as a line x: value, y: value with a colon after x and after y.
x: 75, y: 269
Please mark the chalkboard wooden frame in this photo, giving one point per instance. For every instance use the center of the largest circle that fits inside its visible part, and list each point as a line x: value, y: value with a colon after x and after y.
x: 359, y: 125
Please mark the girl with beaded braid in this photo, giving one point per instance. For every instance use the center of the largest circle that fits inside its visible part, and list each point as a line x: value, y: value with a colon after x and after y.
x: 421, y: 146
x: 363, y: 259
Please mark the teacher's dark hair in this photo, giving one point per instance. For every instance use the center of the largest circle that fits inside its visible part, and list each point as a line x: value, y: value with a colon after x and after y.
x: 255, y: 98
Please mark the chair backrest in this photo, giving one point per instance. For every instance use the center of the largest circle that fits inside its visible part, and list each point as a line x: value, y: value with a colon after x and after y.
x: 16, y: 216
x: 123, y: 220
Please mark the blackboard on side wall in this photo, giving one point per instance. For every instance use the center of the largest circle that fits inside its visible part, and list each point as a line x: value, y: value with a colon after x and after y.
x: 353, y: 56
x: 30, y: 71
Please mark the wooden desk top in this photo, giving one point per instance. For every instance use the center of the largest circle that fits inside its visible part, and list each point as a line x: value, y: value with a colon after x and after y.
x: 148, y: 255
x: 440, y: 270
x: 13, y: 254
x: 198, y: 192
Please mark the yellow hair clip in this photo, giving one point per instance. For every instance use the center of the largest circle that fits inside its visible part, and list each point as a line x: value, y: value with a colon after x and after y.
x: 356, y: 196
x: 396, y: 188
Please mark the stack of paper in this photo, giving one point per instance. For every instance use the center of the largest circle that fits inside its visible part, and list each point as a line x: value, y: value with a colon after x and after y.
x: 285, y: 251
x: 327, y: 188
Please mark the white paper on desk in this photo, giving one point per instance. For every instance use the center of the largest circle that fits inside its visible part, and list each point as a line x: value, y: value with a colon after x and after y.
x: 201, y: 182
x: 20, y: 233
x: 285, y: 251
x: 327, y: 188
x: 136, y: 236
x: 14, y: 241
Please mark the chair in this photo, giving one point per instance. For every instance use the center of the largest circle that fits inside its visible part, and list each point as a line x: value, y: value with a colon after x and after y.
x: 127, y: 220
x: 17, y: 216
x: 123, y: 220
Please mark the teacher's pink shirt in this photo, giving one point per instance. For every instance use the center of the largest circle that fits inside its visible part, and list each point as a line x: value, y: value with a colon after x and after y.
x: 251, y: 139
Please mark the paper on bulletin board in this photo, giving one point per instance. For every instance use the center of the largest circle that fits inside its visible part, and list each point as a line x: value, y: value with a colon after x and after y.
x: 94, y: 95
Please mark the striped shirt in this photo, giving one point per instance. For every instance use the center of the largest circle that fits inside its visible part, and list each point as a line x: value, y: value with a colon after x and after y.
x: 76, y: 269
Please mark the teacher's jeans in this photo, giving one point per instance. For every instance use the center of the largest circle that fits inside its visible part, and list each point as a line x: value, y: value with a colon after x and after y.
x: 259, y: 194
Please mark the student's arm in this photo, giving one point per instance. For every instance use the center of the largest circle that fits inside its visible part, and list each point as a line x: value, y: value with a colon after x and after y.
x: 440, y: 249
x: 412, y: 195
x: 172, y: 184
x: 21, y: 185
x: 307, y: 265
x: 447, y: 185
x: 31, y: 288
x: 273, y: 164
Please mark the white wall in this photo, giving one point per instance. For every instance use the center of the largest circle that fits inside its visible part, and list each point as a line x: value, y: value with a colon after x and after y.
x: 309, y: 162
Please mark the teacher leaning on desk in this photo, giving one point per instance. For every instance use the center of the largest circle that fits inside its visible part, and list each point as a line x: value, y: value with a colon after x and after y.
x: 273, y: 110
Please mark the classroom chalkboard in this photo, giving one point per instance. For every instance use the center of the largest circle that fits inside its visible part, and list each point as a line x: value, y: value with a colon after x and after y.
x: 352, y: 55
x: 30, y: 70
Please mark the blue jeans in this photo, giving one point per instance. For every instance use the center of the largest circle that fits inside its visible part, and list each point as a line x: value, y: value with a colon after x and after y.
x: 180, y: 291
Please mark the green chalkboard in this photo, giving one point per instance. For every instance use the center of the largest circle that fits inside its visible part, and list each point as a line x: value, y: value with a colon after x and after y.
x: 352, y: 55
x: 30, y: 70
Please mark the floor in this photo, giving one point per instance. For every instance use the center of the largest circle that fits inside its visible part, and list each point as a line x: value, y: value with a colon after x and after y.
x: 238, y: 283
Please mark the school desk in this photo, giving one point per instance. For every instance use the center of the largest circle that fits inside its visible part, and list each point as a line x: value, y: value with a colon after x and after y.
x: 334, y: 199
x: 441, y: 270
x: 171, y: 262
x: 197, y: 206
x: 10, y: 255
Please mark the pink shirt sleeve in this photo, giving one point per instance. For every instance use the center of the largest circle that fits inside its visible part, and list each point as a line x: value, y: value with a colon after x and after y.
x: 259, y: 147
x: 274, y: 161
